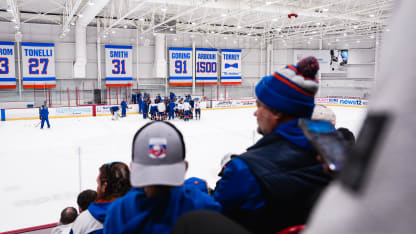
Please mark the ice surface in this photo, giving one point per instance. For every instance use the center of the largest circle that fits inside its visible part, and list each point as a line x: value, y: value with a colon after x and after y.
x: 44, y: 170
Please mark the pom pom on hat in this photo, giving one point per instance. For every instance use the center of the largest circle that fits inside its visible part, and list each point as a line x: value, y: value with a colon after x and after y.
x: 291, y: 89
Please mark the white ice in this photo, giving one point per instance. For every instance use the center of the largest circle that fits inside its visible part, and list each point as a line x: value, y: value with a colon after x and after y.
x: 44, y: 170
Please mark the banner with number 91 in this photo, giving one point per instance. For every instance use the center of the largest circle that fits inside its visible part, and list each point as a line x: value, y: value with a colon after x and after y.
x: 38, y: 65
x: 180, y: 66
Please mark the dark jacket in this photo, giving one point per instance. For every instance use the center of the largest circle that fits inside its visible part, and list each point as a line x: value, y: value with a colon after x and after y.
x: 282, y: 181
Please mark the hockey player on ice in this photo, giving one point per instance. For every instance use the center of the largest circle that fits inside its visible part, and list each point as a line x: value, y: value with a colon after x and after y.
x: 171, y: 108
x: 186, y: 110
x: 180, y: 109
x: 153, y: 111
x: 44, y: 113
x: 197, y: 109
x: 123, y: 108
x: 114, y: 112
x: 161, y: 107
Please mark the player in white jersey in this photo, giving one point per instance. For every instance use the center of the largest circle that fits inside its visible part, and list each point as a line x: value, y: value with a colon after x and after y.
x: 161, y: 108
x: 186, y: 109
x: 197, y: 109
x: 180, y: 109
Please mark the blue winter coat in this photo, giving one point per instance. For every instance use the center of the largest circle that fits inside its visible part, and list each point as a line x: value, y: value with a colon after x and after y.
x: 135, y: 213
x: 273, y: 185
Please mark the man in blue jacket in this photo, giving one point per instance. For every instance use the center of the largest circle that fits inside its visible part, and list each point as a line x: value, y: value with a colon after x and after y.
x: 44, y: 116
x: 159, y: 196
x: 123, y: 108
x: 274, y: 183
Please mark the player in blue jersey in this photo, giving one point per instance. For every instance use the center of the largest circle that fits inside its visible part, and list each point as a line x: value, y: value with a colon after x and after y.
x: 140, y: 100
x: 44, y: 116
x: 114, y: 112
x: 145, y: 107
x: 123, y: 108
x: 171, y: 109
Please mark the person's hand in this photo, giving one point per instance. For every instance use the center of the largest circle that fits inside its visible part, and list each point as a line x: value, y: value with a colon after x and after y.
x: 325, y: 167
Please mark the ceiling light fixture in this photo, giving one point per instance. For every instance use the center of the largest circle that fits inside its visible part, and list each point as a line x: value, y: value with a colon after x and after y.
x: 164, y: 9
x: 125, y: 26
x: 91, y: 3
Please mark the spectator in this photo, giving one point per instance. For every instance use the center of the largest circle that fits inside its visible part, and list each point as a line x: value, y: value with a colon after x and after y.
x: 113, y: 182
x: 271, y: 186
x: 197, y: 183
x: 321, y: 112
x: 225, y: 159
x: 158, y: 197
x: 68, y: 215
x: 348, y: 136
x: 85, y: 198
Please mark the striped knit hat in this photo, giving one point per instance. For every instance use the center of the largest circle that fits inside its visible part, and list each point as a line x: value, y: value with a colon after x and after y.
x: 292, y: 89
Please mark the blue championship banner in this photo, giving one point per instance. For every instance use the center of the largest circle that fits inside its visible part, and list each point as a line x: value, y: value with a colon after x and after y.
x: 180, y: 66
x: 7, y: 68
x: 230, y: 67
x: 118, y: 66
x: 38, y: 65
x: 206, y: 66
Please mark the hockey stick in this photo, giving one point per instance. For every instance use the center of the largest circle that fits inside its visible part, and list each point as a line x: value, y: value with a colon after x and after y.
x: 38, y: 124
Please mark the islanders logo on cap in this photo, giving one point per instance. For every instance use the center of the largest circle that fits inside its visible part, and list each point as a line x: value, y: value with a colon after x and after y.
x: 157, y: 147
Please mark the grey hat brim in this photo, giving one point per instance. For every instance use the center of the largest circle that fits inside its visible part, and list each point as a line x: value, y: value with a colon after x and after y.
x: 145, y: 175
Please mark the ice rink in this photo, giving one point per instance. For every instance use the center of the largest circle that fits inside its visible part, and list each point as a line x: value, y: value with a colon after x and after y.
x: 44, y: 170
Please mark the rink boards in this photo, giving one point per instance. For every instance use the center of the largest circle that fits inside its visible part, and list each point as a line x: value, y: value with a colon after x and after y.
x: 104, y: 110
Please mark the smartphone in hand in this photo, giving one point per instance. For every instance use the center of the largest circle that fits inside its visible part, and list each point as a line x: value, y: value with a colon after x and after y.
x: 326, y: 140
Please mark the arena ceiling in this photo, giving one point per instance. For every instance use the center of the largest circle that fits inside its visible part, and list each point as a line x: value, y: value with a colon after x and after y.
x: 272, y: 20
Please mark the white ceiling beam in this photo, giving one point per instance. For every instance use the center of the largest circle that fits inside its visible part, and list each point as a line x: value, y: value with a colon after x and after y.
x: 136, y: 8
x: 14, y: 12
x: 174, y: 17
x: 71, y: 10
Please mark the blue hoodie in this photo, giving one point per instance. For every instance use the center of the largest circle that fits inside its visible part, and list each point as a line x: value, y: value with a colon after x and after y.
x: 136, y: 213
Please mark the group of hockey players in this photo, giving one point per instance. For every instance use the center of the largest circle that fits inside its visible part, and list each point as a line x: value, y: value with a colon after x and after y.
x: 168, y: 108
